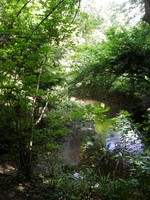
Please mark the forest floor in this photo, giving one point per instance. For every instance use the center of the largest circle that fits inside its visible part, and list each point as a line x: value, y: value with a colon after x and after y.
x: 69, y: 153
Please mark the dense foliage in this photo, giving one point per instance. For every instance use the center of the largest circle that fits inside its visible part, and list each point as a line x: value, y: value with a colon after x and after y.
x: 119, y: 63
x: 47, y: 48
x: 33, y: 37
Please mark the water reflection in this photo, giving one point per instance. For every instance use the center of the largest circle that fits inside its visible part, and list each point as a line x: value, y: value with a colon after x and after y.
x: 123, y: 137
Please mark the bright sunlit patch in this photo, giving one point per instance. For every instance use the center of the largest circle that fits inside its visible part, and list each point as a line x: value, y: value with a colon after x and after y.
x: 102, y: 105
x: 105, y: 9
x: 101, y: 2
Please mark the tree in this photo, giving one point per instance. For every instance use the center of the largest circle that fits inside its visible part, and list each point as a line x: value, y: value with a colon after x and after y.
x: 120, y: 63
x: 146, y: 17
x: 31, y: 40
x: 145, y: 9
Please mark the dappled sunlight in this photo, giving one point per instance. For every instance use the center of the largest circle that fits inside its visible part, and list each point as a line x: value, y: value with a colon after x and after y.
x: 74, y: 100
x: 83, y: 101
x: 7, y: 168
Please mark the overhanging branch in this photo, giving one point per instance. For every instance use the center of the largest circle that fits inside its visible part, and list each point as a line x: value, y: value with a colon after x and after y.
x: 53, y: 9
x: 76, y: 12
x: 20, y: 11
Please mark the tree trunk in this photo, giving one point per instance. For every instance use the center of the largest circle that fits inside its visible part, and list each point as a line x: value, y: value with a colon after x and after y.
x: 146, y: 17
x: 25, y: 161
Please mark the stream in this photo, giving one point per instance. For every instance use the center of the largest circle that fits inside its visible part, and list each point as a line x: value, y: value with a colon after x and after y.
x: 121, y: 139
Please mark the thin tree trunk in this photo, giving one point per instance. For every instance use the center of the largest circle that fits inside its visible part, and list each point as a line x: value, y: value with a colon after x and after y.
x: 24, y: 151
x: 25, y: 161
x: 146, y: 17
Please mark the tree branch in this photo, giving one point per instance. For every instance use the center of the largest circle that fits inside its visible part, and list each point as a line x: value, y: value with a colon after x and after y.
x: 37, y: 88
x: 20, y: 11
x: 53, y: 9
x: 76, y: 12
x: 44, y: 108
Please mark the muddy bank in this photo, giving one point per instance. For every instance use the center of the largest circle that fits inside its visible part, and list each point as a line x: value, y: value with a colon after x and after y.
x: 114, y: 110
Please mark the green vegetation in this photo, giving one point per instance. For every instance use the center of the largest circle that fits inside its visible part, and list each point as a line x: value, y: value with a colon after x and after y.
x: 117, y: 64
x: 31, y: 34
x: 48, y: 54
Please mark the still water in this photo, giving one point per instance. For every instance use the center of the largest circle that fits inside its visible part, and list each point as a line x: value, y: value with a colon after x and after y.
x: 123, y: 137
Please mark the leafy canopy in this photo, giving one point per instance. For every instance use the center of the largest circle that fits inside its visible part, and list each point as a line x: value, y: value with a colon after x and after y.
x: 120, y: 62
